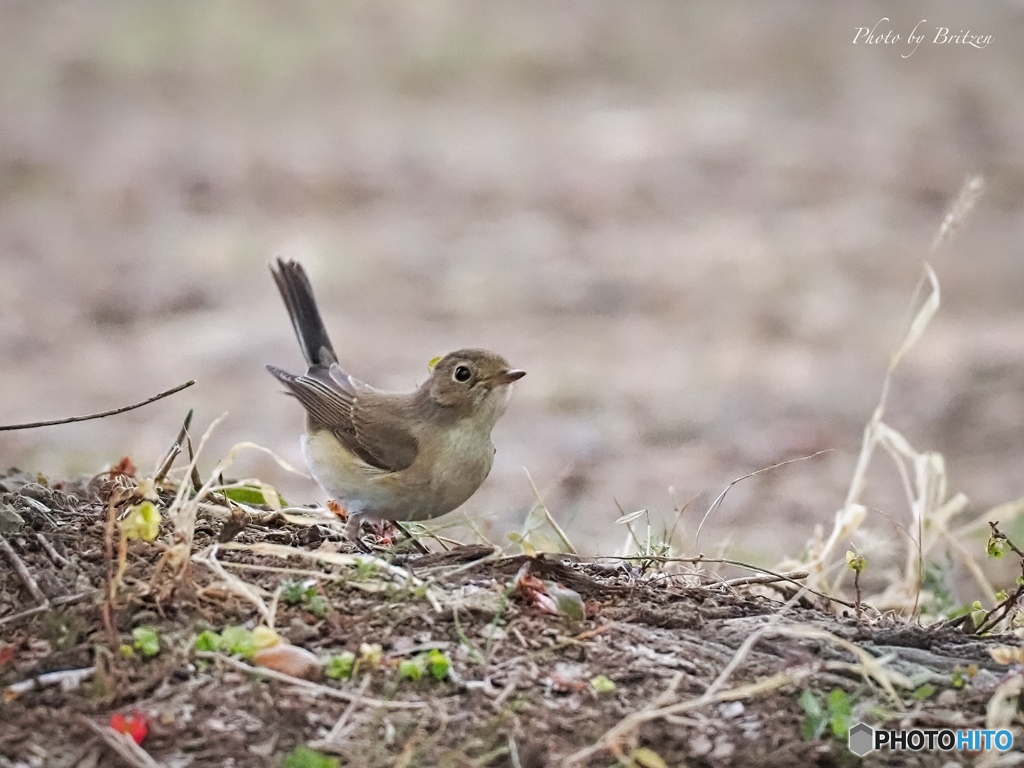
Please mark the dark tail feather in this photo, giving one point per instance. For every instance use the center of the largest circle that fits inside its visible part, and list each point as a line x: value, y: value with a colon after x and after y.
x: 297, y: 293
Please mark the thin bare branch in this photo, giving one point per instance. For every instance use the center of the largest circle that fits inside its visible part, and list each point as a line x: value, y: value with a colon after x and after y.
x: 100, y: 415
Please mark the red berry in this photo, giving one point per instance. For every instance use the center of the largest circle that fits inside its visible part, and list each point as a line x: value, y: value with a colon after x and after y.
x: 134, y: 725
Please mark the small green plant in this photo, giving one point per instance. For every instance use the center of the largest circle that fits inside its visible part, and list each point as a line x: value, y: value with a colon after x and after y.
x: 318, y: 606
x: 346, y: 664
x: 304, y: 757
x: 996, y: 546
x: 923, y: 692
x: 833, y: 713
x: 147, y: 641
x: 142, y: 522
x: 365, y: 569
x: 602, y: 684
x: 237, y: 640
x: 297, y: 592
x: 432, y: 662
x: 409, y: 669
x: 438, y: 664
x: 305, y: 594
x: 209, y: 641
x: 935, y: 581
x: 340, y: 667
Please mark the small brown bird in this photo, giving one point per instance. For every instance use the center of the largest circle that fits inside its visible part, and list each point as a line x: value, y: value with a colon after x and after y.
x: 392, y: 455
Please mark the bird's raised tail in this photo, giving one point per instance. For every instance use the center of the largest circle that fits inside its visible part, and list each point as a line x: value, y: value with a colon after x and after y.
x: 297, y: 293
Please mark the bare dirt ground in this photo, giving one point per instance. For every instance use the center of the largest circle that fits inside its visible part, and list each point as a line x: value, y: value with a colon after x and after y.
x: 702, y: 672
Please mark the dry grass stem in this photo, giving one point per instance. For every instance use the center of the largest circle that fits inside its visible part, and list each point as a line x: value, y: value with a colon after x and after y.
x: 721, y: 497
x: 566, y: 544
x: 332, y: 742
x: 868, y: 666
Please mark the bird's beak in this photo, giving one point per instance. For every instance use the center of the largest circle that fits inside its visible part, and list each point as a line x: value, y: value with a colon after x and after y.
x: 509, y: 376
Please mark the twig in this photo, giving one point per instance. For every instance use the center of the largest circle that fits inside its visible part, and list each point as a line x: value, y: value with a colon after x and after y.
x: 856, y: 590
x: 1002, y: 610
x: 664, y: 707
x: 768, y: 578
x: 317, y: 688
x: 175, y: 449
x: 107, y: 609
x: 67, y: 679
x: 57, y: 601
x: 997, y: 534
x: 738, y: 563
x: 56, y: 556
x: 122, y: 744
x: 661, y: 709
x: 333, y: 739
x: 100, y: 415
x: 513, y: 752
x: 24, y: 575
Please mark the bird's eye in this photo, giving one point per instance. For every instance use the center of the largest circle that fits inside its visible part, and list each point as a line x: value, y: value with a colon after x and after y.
x: 462, y: 373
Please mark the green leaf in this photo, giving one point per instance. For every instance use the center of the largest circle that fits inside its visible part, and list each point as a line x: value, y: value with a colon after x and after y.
x: 252, y: 495
x: 318, y: 606
x: 295, y: 592
x: 923, y: 692
x: 304, y: 757
x: 142, y: 522
x: 996, y: 546
x: 958, y: 677
x: 856, y: 562
x: 840, y: 710
x: 147, y: 641
x: 602, y: 684
x: 568, y: 602
x: 815, y: 720
x: 645, y: 757
x: 340, y: 667
x: 438, y: 664
x: 410, y: 669
x: 208, y: 641
x: 238, y: 640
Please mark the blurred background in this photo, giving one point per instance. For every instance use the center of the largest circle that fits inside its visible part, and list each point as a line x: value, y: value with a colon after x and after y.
x: 697, y: 226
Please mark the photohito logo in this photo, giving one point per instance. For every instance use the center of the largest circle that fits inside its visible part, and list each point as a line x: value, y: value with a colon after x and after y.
x: 864, y: 739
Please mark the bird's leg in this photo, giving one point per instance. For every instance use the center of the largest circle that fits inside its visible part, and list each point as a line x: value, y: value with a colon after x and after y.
x: 352, y: 523
x: 352, y: 533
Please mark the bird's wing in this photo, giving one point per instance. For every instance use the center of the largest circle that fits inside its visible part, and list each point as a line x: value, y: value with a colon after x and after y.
x: 336, y: 401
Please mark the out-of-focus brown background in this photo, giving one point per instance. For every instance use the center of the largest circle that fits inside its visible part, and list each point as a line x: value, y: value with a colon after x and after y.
x: 697, y: 226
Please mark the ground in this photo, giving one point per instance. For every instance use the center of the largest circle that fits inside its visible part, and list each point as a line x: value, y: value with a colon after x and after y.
x: 703, y: 672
